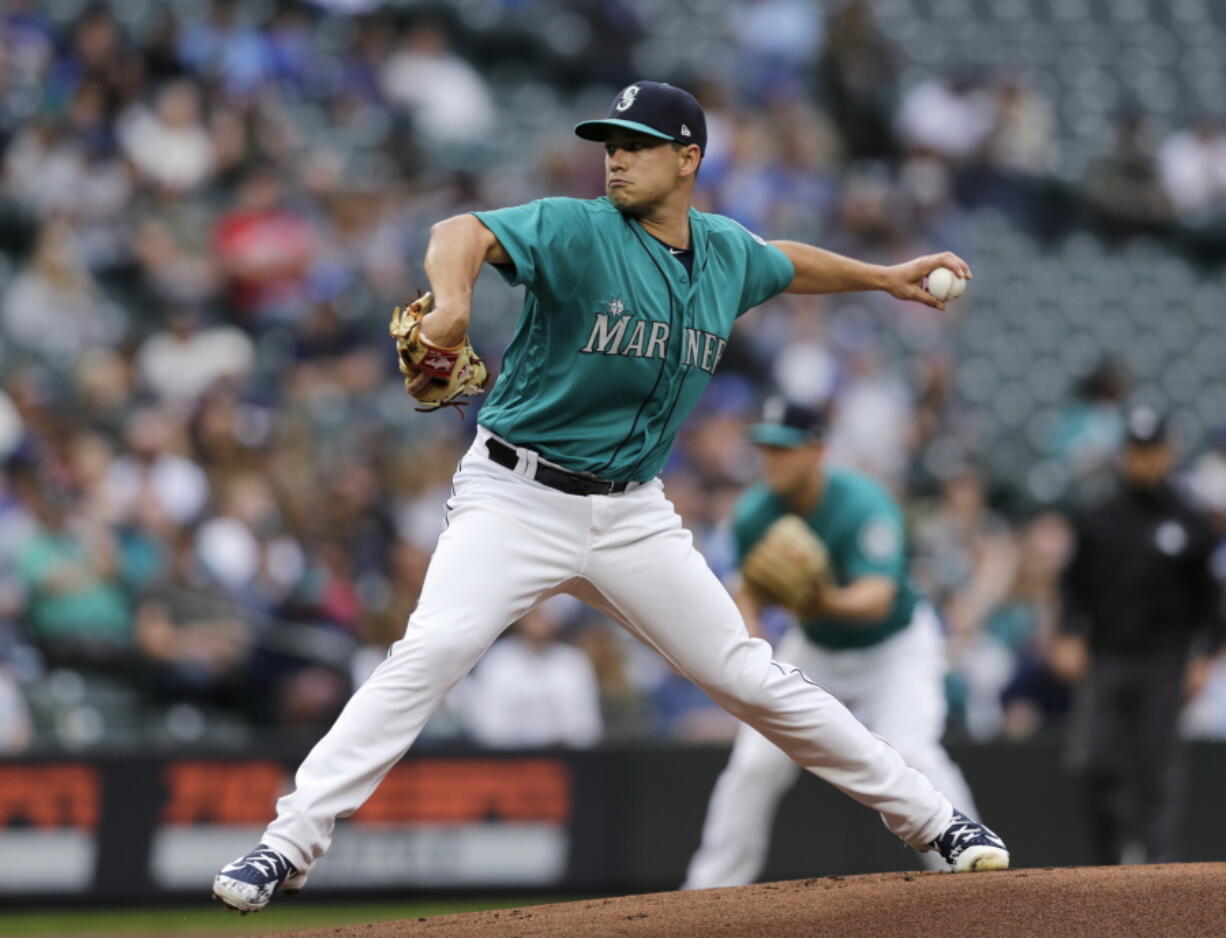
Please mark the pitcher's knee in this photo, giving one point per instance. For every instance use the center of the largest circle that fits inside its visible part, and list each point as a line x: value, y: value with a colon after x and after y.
x: 743, y: 699
x: 444, y: 650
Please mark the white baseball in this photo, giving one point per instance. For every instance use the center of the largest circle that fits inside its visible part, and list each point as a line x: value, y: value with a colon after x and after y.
x: 944, y: 284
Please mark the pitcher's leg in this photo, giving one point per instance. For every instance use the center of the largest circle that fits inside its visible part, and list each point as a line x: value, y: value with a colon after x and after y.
x: 736, y: 832
x: 907, y: 706
x: 663, y: 590
x: 486, y: 572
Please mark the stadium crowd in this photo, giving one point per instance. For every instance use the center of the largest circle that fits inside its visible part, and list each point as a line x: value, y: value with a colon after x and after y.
x: 217, y: 506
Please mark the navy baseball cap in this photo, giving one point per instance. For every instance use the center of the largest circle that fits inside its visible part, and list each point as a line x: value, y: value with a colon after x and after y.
x: 653, y: 108
x: 786, y: 423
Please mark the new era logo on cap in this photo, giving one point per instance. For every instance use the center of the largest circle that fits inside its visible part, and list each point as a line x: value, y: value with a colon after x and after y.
x: 653, y: 108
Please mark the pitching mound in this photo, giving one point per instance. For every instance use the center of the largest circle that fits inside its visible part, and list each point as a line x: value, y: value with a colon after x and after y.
x: 1175, y: 900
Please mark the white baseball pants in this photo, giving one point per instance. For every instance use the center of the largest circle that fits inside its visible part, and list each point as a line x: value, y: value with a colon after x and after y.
x: 509, y: 543
x: 895, y: 687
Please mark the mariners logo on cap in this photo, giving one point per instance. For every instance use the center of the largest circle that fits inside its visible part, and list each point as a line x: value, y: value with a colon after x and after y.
x: 627, y: 98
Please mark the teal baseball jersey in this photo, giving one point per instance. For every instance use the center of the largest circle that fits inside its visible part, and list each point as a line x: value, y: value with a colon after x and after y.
x: 862, y: 528
x: 616, y: 341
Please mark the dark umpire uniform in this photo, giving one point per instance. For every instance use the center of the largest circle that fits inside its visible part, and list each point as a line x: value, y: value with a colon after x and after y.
x: 1140, y: 591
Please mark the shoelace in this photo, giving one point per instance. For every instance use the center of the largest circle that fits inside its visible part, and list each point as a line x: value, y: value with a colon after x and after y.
x: 968, y: 831
x: 962, y: 832
x: 269, y: 863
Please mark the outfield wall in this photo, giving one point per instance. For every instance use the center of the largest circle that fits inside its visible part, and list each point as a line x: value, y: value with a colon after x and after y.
x: 616, y: 820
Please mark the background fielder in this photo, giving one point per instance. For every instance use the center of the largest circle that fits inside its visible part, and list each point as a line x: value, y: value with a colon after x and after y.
x: 629, y: 303
x: 875, y: 644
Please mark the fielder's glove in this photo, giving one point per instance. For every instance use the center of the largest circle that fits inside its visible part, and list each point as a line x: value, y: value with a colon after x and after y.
x: 790, y: 566
x: 454, y: 372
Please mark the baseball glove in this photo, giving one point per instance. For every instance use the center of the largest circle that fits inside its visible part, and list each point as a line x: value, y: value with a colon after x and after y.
x: 454, y: 372
x: 790, y: 566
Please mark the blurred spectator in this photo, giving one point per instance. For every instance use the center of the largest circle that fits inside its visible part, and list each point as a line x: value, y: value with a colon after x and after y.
x: 178, y: 364
x: 1018, y: 156
x: 104, y: 392
x: 154, y: 470
x: 95, y: 52
x: 194, y: 645
x: 1192, y: 163
x: 75, y: 604
x: 803, y: 367
x: 446, y: 97
x: 1141, y: 609
x: 530, y: 689
x: 621, y: 678
x: 871, y: 429
x: 265, y: 248
x: 859, y: 70
x: 42, y: 167
x: 1026, y: 622
x: 776, y: 40
x: 965, y: 556
x: 229, y: 434
x: 242, y: 548
x: 169, y: 145
x: 220, y: 46
x: 1088, y: 427
x: 1123, y: 187
x: 1022, y: 139
x: 951, y: 118
x: 54, y: 308
x: 174, y: 271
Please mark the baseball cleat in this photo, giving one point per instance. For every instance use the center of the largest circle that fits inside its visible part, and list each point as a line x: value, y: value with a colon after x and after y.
x: 970, y: 847
x: 248, y: 883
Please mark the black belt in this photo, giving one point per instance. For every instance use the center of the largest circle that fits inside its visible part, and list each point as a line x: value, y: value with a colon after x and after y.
x: 572, y: 483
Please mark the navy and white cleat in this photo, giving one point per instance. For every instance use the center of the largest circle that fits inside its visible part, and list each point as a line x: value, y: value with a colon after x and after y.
x: 248, y: 883
x: 970, y: 847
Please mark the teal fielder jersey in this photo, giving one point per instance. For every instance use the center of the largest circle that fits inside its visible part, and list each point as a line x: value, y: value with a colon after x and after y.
x: 862, y: 528
x: 616, y: 341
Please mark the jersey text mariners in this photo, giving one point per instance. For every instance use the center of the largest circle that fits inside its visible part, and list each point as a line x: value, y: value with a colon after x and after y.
x: 616, y: 341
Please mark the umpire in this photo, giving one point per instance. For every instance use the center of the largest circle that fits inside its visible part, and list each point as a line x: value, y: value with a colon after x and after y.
x: 1141, y: 609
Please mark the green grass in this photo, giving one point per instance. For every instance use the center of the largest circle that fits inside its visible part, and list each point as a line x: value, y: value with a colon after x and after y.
x: 213, y: 920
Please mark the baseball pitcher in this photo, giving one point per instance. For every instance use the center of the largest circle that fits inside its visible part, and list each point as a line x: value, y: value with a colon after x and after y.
x: 827, y: 545
x: 629, y: 301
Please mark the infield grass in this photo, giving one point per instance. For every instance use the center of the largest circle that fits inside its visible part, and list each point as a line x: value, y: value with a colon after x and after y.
x: 212, y: 920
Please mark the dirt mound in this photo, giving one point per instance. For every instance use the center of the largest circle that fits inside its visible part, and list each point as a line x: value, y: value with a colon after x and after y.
x: 1174, y: 900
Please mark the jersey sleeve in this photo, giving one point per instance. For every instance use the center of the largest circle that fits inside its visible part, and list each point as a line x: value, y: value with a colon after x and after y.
x: 876, y: 546
x: 768, y: 271
x: 548, y: 241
